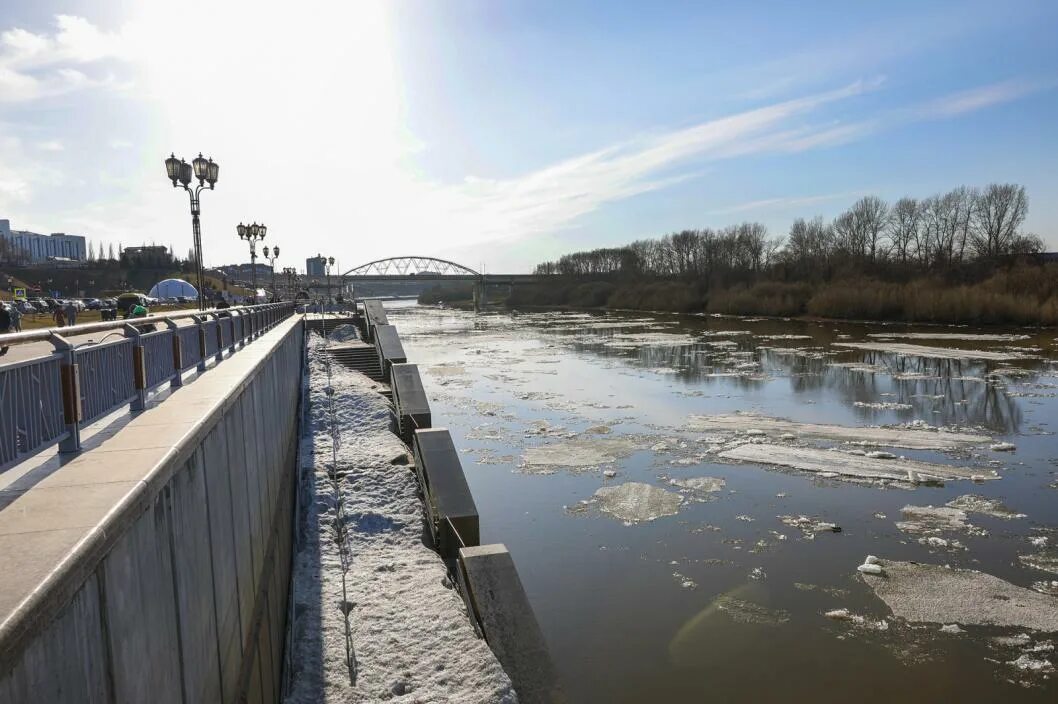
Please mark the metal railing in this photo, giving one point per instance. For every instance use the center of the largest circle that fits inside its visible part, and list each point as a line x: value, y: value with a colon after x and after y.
x: 50, y: 398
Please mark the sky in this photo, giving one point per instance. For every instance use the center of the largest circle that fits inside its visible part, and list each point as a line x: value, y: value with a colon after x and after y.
x: 501, y: 133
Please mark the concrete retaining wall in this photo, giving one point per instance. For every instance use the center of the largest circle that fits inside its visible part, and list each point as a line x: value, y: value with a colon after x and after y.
x: 179, y: 593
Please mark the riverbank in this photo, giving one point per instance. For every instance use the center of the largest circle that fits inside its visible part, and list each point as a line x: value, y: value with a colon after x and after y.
x: 1019, y: 296
x: 376, y: 615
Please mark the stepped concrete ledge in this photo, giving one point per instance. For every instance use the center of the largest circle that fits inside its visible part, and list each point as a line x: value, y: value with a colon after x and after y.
x: 62, y: 516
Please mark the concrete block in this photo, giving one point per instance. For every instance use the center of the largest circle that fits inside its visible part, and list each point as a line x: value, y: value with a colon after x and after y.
x: 141, y: 612
x: 67, y: 662
x: 409, y: 399
x: 451, y: 512
x: 193, y: 577
x: 374, y: 314
x: 389, y: 348
x: 497, y: 600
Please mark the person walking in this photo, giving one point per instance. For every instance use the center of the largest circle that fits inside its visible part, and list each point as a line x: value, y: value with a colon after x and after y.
x: 59, y: 317
x: 16, y: 318
x: 71, y: 313
x: 5, y: 324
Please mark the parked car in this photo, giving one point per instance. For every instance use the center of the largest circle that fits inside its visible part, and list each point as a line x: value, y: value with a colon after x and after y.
x: 27, y: 307
x: 127, y: 300
x: 92, y: 303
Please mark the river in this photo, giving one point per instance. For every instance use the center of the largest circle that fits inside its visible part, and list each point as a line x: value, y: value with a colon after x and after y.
x: 717, y: 589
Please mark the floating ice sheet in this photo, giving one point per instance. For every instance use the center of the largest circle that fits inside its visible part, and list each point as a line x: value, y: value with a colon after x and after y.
x: 579, y: 452
x: 834, y: 463
x: 914, y: 439
x: 984, y: 337
x: 933, y: 352
x: 935, y: 594
x: 635, y: 502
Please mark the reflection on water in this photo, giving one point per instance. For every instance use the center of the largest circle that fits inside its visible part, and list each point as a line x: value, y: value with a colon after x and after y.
x: 697, y: 605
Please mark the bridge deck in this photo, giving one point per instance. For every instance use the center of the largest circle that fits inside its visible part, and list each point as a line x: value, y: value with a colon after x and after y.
x: 58, y: 513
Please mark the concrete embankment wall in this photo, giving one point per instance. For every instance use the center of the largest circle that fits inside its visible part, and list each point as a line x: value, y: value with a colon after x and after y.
x: 178, y: 592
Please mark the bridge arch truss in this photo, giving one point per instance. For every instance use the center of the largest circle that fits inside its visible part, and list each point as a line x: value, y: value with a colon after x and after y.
x: 409, y: 266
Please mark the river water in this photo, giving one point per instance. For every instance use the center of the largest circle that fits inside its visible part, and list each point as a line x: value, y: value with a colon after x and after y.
x: 710, y: 590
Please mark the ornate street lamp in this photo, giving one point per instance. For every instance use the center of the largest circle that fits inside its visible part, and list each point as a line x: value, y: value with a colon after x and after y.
x: 180, y: 173
x: 272, y: 263
x: 292, y: 274
x: 252, y: 234
x: 330, y: 263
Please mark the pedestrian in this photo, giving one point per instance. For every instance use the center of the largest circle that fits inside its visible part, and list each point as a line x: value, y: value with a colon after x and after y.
x: 16, y: 318
x: 59, y: 317
x: 71, y: 313
x: 5, y: 325
x: 138, y: 311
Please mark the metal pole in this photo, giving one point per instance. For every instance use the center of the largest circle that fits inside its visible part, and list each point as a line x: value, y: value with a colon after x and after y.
x: 196, y: 228
x: 253, y: 271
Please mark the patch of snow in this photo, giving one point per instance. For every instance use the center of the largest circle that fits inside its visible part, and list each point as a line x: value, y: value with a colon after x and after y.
x: 402, y: 619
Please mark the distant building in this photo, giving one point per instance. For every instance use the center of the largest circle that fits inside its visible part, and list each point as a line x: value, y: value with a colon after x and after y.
x: 147, y: 251
x: 316, y: 266
x: 34, y: 247
x: 244, y: 272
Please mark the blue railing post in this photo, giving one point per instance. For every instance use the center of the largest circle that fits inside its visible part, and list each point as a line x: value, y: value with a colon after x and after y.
x: 231, y: 323
x: 70, y: 375
x: 200, y: 323
x: 178, y: 356
x: 220, y: 338
x: 139, y: 368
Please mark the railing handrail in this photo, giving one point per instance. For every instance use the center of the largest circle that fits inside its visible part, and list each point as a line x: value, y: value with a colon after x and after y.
x: 44, y: 334
x: 52, y: 407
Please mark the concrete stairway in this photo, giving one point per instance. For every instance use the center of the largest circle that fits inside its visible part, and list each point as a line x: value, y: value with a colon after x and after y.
x: 358, y: 356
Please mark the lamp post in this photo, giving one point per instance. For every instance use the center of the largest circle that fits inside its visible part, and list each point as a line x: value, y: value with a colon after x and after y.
x: 330, y: 263
x: 252, y: 234
x: 180, y: 173
x: 272, y: 263
x: 291, y: 274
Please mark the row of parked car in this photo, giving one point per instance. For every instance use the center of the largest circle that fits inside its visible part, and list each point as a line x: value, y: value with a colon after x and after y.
x: 48, y: 305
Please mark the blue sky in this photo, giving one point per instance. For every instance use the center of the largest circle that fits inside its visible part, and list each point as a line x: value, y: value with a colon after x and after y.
x: 503, y: 133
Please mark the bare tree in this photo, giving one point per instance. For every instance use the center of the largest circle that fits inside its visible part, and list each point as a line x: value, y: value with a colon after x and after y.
x: 1000, y: 211
x: 903, y: 228
x: 870, y: 214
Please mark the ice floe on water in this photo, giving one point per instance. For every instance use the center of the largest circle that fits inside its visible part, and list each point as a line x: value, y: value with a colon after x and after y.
x: 909, y: 437
x: 927, y: 593
x: 830, y: 463
x: 974, y: 503
x: 931, y: 523
x: 579, y: 452
x: 809, y: 526
x: 1045, y: 561
x: 635, y: 502
x: 982, y: 337
x: 700, y: 485
x: 862, y: 367
x: 933, y: 352
x: 883, y: 405
x: 649, y: 339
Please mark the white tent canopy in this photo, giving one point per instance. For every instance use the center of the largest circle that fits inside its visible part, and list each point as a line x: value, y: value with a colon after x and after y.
x: 173, y: 288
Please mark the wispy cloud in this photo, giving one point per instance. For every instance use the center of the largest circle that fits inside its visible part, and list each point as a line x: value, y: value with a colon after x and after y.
x: 980, y: 97
x: 552, y: 197
x: 773, y: 204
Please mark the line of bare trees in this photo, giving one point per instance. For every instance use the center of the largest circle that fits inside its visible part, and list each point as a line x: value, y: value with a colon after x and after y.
x: 931, y: 234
